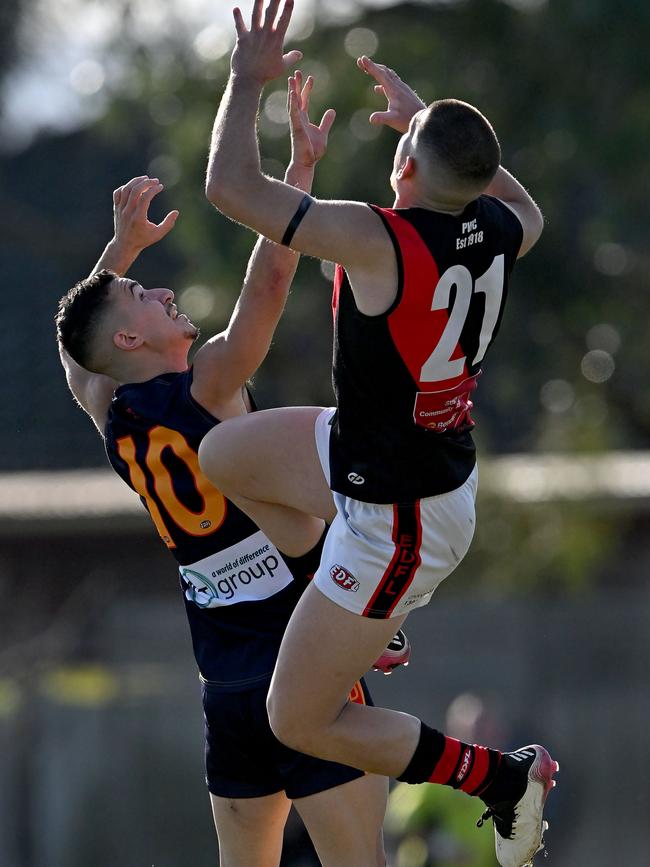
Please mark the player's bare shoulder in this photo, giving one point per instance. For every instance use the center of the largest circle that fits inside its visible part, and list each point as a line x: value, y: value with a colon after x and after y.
x: 373, y: 269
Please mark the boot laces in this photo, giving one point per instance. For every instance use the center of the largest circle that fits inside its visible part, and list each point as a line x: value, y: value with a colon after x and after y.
x: 504, y: 818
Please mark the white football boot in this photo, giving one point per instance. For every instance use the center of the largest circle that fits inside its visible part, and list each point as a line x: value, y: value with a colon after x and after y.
x: 518, y: 823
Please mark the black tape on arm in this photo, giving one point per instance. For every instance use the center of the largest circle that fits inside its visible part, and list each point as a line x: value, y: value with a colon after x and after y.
x: 296, y: 220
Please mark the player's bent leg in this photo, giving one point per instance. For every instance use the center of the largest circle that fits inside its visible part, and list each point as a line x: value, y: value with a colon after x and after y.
x: 324, y: 651
x: 250, y: 830
x: 378, y: 563
x: 345, y: 823
x: 270, y: 457
x: 292, y: 532
x: 267, y: 464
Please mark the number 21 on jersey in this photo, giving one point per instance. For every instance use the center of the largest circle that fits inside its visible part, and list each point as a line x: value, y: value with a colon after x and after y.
x: 440, y: 365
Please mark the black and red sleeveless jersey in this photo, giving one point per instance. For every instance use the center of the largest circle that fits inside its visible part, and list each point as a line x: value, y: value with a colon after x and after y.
x: 403, y: 379
x: 239, y: 590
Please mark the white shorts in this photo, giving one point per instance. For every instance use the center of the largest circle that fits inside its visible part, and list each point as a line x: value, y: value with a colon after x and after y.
x: 385, y: 560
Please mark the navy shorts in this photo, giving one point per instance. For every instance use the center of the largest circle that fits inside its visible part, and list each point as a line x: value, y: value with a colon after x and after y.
x: 244, y: 759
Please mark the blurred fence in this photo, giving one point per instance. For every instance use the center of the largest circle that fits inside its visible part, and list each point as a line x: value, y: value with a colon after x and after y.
x: 100, y: 720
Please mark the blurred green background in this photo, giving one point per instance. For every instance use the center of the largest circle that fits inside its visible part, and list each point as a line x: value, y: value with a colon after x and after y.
x: 545, y: 625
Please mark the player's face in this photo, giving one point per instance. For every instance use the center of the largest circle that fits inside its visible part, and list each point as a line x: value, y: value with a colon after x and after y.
x: 152, y: 314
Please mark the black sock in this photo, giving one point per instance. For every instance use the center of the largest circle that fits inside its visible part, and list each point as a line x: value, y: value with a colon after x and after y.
x: 426, y: 756
x: 450, y: 762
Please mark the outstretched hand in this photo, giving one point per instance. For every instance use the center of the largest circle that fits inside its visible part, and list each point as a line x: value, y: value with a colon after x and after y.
x: 308, y: 140
x: 258, y: 51
x: 403, y: 102
x: 133, y: 229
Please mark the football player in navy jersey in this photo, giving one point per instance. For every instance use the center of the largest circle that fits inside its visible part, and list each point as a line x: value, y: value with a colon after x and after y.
x: 419, y: 293
x: 125, y: 352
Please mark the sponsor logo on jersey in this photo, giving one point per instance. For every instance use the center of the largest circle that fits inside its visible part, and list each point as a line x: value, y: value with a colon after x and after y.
x: 343, y: 578
x: 447, y: 409
x: 197, y: 585
x: 249, y: 571
x: 356, y: 479
x: 201, y: 590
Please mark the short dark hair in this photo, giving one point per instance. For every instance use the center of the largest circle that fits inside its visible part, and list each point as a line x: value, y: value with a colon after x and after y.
x: 79, y: 314
x: 463, y: 139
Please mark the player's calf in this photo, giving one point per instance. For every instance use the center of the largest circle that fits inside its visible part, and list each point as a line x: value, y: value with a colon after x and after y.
x: 291, y: 728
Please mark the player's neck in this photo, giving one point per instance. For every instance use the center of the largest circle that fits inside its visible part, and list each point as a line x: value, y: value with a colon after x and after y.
x: 410, y: 200
x: 148, y: 365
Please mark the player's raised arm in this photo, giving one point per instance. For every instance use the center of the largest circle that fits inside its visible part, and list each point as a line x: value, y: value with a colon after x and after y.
x: 225, y: 362
x: 133, y: 233
x: 507, y: 188
x: 347, y: 232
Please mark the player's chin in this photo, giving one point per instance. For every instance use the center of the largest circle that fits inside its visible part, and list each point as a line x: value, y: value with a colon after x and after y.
x: 190, y: 330
x: 193, y: 332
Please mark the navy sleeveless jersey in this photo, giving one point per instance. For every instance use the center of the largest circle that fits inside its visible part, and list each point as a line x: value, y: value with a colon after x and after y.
x: 239, y: 590
x: 403, y: 379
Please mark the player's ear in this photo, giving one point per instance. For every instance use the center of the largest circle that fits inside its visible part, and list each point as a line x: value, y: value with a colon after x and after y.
x: 407, y: 169
x: 127, y: 341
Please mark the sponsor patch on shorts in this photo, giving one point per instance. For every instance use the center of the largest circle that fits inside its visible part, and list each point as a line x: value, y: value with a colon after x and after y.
x: 344, y: 579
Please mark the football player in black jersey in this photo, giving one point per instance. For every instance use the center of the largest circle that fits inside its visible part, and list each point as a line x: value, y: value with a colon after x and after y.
x: 419, y: 293
x: 125, y: 352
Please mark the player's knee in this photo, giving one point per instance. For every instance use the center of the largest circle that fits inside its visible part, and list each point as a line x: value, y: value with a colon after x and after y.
x: 280, y: 720
x: 286, y: 723
x: 212, y: 459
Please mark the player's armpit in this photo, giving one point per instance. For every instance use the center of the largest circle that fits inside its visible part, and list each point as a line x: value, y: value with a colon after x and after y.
x: 215, y: 382
x: 92, y: 391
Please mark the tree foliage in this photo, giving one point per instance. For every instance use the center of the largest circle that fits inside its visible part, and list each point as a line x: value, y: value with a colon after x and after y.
x: 566, y: 88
